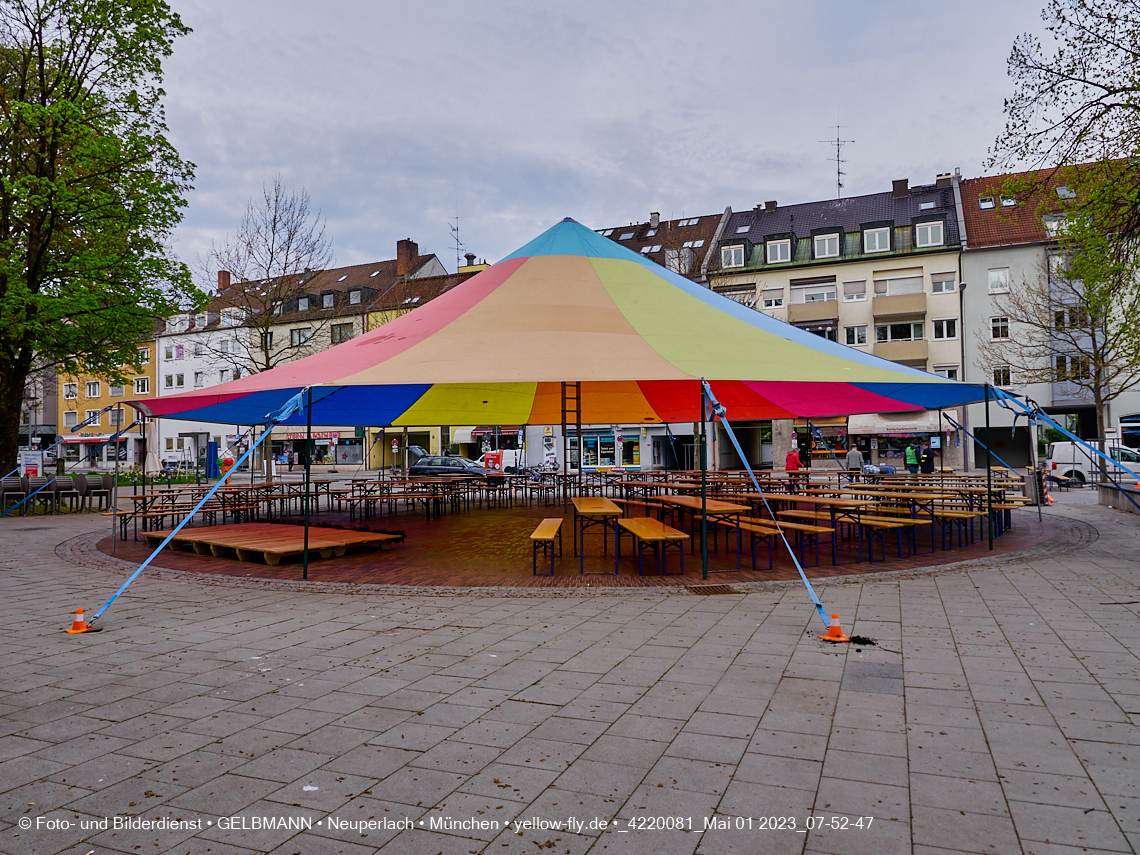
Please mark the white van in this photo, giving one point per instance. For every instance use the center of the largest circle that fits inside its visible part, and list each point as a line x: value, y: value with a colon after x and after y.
x: 1081, y: 466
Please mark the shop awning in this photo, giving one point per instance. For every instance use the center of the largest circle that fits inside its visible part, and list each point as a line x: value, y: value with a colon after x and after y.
x: 461, y: 435
x: 485, y: 429
x: 885, y: 424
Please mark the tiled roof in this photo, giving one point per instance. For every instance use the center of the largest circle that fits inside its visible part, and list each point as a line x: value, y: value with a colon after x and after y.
x: 1001, y: 225
x: 695, y: 233
x: 848, y: 214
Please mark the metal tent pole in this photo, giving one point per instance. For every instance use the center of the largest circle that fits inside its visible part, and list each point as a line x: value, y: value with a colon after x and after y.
x: 308, y: 464
x: 704, y: 491
x: 1038, y: 489
x: 989, y: 473
x: 115, y: 488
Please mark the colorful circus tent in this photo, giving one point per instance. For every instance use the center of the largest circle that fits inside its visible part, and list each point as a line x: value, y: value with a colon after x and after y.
x: 572, y: 306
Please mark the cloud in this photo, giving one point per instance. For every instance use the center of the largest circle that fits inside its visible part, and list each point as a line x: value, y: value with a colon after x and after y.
x: 394, y: 116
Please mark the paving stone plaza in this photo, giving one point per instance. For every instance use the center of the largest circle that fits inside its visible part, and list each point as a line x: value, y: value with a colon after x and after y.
x: 997, y: 713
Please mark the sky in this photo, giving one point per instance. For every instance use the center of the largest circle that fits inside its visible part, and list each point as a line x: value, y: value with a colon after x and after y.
x: 395, y: 117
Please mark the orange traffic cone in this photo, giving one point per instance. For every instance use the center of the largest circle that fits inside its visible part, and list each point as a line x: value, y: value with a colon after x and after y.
x: 835, y: 631
x: 79, y: 625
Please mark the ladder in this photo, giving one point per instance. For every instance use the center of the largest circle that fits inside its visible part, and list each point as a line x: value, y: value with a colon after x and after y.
x: 571, y: 417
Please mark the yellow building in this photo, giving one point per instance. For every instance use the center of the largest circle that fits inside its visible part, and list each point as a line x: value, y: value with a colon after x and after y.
x: 85, y: 397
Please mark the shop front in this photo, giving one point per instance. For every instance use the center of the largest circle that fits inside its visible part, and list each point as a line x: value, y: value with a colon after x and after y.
x: 822, y: 440
x: 602, y: 451
x: 884, y: 437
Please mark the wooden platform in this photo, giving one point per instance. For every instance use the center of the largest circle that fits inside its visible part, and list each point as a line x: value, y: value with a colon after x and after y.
x: 268, y: 542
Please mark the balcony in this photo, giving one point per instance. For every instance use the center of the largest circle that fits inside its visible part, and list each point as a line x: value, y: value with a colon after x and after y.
x: 898, y: 305
x: 822, y: 310
x: 903, y: 351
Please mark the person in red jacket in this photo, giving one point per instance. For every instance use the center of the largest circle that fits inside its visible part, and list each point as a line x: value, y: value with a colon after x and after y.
x: 793, y: 465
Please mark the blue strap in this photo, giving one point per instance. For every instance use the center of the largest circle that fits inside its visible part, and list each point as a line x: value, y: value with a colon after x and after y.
x: 271, y: 419
x: 719, y: 411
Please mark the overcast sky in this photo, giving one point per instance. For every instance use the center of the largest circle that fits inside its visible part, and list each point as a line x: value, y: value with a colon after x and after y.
x: 394, y: 115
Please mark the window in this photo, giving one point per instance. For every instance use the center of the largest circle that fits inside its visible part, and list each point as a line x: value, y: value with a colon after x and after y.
x: 950, y: 372
x: 1007, y: 202
x: 300, y: 337
x: 986, y: 203
x: 277, y: 307
x: 1060, y: 370
x: 690, y: 222
x: 945, y: 328
x: 201, y: 321
x: 302, y: 304
x: 237, y: 373
x: 926, y: 206
x: 411, y: 300
x: 179, y: 352
x: 928, y: 234
x: 223, y: 347
x: 179, y: 381
x: 743, y: 230
x: 354, y: 297
x: 327, y: 299
x: 607, y: 232
x: 679, y: 261
x: 94, y: 418
x: 70, y: 391
x: 854, y: 290
x: 1002, y: 376
x: 826, y: 246
x: 1079, y: 368
x: 224, y: 375
x: 70, y: 418
x: 168, y: 353
x: 115, y: 391
x: 267, y: 340
x: 1053, y: 224
x: 170, y: 443
x: 142, y: 385
x: 92, y: 388
x: 340, y: 332
x: 116, y: 417
x: 199, y: 349
x: 895, y: 285
x: 943, y: 283
x: 181, y: 443
x: 877, y: 240
x: 732, y: 256
x: 773, y: 298
x: 819, y: 292
x: 626, y: 236
x: 779, y: 251
x: 651, y: 233
x: 1065, y: 193
x: 899, y: 332
x: 827, y: 332
x: 745, y: 294
x: 856, y: 335
x: 1070, y: 317
x: 199, y: 378
x: 645, y: 250
x: 168, y: 381
x: 144, y: 355
x: 227, y: 318
x: 999, y: 280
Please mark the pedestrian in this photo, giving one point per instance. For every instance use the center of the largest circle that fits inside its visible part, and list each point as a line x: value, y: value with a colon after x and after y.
x: 854, y: 459
x: 292, y: 459
x: 793, y: 465
x: 911, y: 459
x: 927, y: 460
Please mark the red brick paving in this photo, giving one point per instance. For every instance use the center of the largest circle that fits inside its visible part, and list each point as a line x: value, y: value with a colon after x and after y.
x: 492, y: 548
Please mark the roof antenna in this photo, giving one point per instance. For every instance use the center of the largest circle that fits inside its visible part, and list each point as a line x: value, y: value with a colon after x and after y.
x: 459, y: 246
x: 838, y: 142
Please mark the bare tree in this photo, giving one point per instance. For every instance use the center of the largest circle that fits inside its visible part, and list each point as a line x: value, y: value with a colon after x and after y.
x: 1076, y: 323
x: 278, y: 247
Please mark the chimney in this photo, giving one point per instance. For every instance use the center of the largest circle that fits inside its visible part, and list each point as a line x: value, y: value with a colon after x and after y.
x: 900, y: 188
x: 942, y: 180
x: 470, y: 256
x: 654, y: 220
x: 770, y: 206
x: 223, y: 280
x: 407, y: 254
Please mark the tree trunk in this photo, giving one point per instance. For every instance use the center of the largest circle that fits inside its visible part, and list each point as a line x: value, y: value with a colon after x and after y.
x: 12, y: 384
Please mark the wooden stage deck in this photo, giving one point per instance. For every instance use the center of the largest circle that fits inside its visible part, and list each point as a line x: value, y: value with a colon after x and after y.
x: 254, y: 541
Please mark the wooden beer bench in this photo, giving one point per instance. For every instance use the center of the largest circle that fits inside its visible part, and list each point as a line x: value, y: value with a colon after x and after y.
x: 543, y: 538
x: 655, y: 535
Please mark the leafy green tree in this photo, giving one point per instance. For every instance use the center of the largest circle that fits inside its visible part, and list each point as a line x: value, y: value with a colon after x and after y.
x: 90, y: 190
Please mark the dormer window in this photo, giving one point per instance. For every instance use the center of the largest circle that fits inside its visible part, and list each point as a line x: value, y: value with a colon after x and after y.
x: 926, y: 206
x: 354, y: 298
x: 743, y: 230
x: 626, y: 236
x: 302, y: 304
x: 826, y: 246
x: 1008, y: 202
x: 929, y: 234
x: 877, y: 240
x: 986, y: 203
x: 732, y: 256
x: 778, y: 251
x: 327, y: 301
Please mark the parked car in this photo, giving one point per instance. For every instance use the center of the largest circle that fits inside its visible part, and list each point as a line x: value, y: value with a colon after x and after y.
x: 1081, y: 466
x: 447, y: 466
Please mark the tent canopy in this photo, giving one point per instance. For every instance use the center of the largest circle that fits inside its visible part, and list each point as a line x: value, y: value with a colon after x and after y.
x: 574, y: 306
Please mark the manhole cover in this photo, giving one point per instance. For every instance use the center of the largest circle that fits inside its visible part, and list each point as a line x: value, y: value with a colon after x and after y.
x: 709, y: 590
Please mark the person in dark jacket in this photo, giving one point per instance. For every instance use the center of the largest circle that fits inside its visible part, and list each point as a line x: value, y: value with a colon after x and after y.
x: 927, y: 460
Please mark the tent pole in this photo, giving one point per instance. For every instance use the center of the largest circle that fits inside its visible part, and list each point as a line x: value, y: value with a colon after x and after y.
x: 308, y: 464
x: 989, y: 473
x: 115, y: 487
x: 704, y: 491
x: 1038, y: 490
